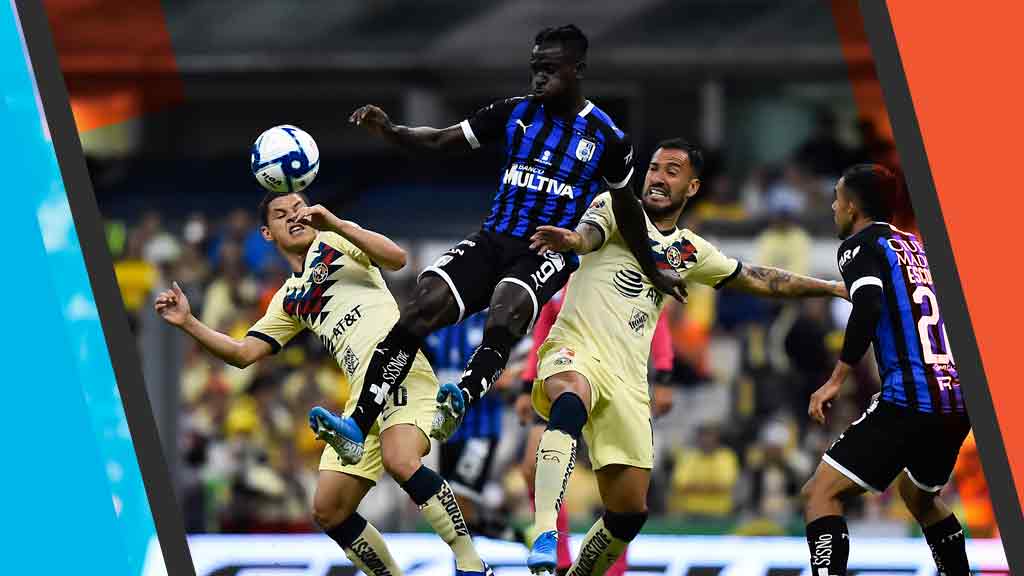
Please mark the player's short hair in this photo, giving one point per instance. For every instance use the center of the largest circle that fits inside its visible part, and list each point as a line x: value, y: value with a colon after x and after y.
x: 569, y: 36
x: 872, y: 188
x: 693, y: 152
x: 264, y: 207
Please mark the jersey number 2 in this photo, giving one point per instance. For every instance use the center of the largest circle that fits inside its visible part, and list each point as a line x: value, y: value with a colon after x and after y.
x: 930, y: 356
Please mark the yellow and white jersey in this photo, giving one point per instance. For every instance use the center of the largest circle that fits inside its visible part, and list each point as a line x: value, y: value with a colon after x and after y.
x: 611, y: 308
x: 341, y: 296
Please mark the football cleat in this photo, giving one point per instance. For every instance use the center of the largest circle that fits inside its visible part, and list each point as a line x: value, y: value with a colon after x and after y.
x: 451, y: 408
x: 340, y: 432
x: 544, y: 554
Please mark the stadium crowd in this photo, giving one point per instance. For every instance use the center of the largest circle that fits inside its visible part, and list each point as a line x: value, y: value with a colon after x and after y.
x: 732, y: 453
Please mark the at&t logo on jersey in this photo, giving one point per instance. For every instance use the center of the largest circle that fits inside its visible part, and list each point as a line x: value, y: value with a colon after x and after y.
x: 531, y: 178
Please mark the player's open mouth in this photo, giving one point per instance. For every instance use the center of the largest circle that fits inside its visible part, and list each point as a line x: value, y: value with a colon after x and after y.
x: 296, y: 229
x: 657, y: 192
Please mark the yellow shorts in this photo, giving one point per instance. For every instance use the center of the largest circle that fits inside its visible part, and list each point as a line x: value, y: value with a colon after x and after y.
x: 414, y: 403
x: 619, y: 429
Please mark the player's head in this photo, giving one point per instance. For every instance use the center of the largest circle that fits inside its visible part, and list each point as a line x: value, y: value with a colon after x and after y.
x: 673, y: 177
x: 862, y: 195
x: 278, y: 222
x: 557, y: 62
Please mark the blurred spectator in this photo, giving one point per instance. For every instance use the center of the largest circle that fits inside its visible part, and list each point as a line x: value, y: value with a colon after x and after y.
x: 784, y: 243
x: 809, y: 356
x: 822, y: 154
x: 704, y: 477
x: 777, y: 471
x: 136, y: 278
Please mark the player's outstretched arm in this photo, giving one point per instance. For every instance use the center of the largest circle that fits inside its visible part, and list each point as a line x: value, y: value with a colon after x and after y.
x: 172, y: 305
x: 585, y: 239
x: 381, y: 249
x: 777, y: 283
x: 423, y: 138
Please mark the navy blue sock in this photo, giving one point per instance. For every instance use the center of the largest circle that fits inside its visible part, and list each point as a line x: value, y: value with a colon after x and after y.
x: 347, y: 532
x: 568, y: 414
x: 423, y: 484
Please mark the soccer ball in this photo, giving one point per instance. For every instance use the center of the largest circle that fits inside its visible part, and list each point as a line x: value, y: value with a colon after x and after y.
x: 285, y: 159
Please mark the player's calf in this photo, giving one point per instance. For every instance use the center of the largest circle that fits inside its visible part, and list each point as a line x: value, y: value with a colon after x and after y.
x: 437, y: 503
x: 942, y: 530
x: 334, y: 510
x: 606, y: 541
x: 827, y: 534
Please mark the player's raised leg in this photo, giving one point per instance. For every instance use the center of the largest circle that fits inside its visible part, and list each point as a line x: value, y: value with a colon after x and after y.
x: 941, y: 528
x: 827, y: 534
x: 624, y: 493
x: 433, y: 305
x: 513, y: 308
x: 403, y: 447
x: 334, y: 510
x: 570, y: 394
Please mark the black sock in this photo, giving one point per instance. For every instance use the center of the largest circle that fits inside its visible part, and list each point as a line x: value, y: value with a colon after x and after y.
x: 347, y: 532
x: 487, y: 362
x: 949, y: 547
x: 423, y: 484
x: 568, y: 414
x: 388, y: 367
x: 829, y: 540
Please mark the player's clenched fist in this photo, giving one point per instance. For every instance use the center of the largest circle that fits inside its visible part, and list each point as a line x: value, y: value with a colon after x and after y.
x: 372, y: 118
x: 822, y: 399
x: 172, y: 305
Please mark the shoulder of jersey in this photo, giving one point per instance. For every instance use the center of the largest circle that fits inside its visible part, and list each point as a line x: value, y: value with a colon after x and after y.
x: 604, y: 117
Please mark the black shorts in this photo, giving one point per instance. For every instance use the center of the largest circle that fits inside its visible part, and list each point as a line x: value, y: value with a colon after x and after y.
x: 888, y: 439
x: 474, y: 267
x: 466, y: 465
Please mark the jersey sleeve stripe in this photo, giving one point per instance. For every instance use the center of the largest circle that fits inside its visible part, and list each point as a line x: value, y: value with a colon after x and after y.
x: 729, y: 278
x: 275, y: 346
x: 618, y: 185
x: 865, y: 281
x: 599, y: 229
x: 467, y: 131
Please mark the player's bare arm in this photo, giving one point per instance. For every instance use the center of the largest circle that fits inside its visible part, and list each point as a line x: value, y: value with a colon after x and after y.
x: 778, y: 283
x: 585, y: 239
x: 172, y: 305
x: 378, y: 247
x: 422, y: 138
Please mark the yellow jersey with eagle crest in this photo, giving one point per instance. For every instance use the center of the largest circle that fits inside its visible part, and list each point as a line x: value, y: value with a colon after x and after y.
x: 605, y: 328
x: 340, y: 295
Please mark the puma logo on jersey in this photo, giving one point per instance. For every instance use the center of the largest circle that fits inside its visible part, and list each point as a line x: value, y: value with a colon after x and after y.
x: 847, y: 257
x: 523, y: 126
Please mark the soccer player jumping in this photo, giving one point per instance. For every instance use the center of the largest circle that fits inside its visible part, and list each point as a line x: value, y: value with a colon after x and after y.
x: 914, y: 427
x: 560, y: 151
x: 592, y: 368
x: 338, y: 293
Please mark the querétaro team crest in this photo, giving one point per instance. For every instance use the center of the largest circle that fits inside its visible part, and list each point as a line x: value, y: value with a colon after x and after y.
x: 585, y: 150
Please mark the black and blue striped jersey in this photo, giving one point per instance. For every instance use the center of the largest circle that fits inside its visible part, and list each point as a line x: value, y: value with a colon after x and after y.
x: 553, y: 167
x: 449, y: 350
x: 912, y: 350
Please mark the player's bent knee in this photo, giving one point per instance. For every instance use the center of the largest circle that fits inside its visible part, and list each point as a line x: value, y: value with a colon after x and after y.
x: 625, y: 526
x: 401, y: 464
x: 328, y: 515
x: 918, y: 502
x: 568, y: 414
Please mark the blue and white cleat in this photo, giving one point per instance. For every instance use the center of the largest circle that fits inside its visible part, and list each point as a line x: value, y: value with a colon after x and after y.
x: 486, y: 572
x: 544, y: 554
x: 341, y: 432
x: 451, y: 407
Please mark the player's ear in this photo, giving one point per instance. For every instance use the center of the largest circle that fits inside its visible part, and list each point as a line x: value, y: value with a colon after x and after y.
x: 692, y: 188
x: 581, y: 68
x: 265, y: 232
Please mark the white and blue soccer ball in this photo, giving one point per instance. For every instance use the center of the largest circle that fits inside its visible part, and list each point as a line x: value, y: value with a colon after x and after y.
x: 285, y: 159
